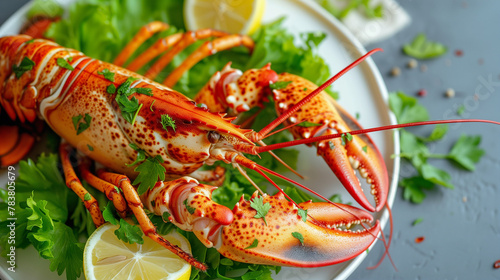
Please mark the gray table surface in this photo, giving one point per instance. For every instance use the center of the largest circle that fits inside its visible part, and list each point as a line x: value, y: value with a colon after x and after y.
x: 461, y: 226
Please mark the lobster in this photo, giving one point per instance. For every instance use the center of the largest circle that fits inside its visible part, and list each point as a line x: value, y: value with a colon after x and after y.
x: 115, y: 117
x: 67, y: 89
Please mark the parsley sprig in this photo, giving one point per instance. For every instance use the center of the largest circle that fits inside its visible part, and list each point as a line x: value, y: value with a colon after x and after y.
x: 464, y: 153
x: 149, y: 168
x: 262, y: 209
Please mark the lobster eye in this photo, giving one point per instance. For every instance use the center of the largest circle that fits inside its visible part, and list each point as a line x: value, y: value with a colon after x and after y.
x: 213, y: 137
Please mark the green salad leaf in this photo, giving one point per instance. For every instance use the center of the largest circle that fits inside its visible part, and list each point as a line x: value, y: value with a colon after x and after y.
x: 421, y: 48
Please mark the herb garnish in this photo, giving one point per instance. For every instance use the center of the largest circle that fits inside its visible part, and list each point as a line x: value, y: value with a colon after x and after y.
x: 299, y: 236
x: 108, y: 75
x: 345, y: 137
x: 81, y: 123
x: 254, y: 244
x: 25, y: 65
x: 465, y: 151
x: 262, y: 209
x: 302, y: 213
x: 167, y: 121
x: 189, y: 208
x: 280, y: 85
x: 64, y: 64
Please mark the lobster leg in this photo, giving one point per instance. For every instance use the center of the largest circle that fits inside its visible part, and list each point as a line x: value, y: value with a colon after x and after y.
x: 75, y: 185
x: 135, y: 204
x: 142, y: 35
x: 110, y: 190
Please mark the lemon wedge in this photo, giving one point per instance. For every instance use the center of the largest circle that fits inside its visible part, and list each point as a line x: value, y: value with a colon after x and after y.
x: 233, y: 16
x: 107, y: 257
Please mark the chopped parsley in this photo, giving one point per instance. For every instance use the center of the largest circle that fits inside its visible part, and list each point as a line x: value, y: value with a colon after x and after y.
x: 108, y: 75
x: 87, y: 197
x: 81, y: 123
x: 261, y: 208
x: 417, y: 221
x: 151, y: 106
x: 165, y: 215
x: 365, y: 149
x: 90, y: 148
x: 345, y: 137
x: 167, y: 121
x: 111, y: 89
x: 25, y: 65
x: 64, y: 64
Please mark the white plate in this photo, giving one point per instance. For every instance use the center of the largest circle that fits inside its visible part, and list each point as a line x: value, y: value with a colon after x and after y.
x: 361, y: 90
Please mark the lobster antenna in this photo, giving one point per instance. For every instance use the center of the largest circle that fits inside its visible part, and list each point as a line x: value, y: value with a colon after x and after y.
x: 261, y: 149
x: 265, y: 131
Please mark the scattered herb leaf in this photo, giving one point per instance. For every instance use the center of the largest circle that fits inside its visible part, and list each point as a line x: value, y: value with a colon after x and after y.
x: 299, y: 236
x: 421, y: 48
x: 308, y: 124
x: 87, y: 197
x: 331, y: 144
x: 25, y: 65
x: 345, y: 137
x: 254, y: 244
x: 262, y: 209
x: 90, y: 148
x: 279, y: 85
x: 365, y: 149
x: 81, y: 123
x: 64, y: 63
x: 108, y: 75
x: 111, y: 89
x: 303, y: 213
x: 417, y: 221
x: 461, y: 110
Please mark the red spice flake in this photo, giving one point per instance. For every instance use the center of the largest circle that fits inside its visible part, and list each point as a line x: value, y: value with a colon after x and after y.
x: 459, y: 53
x: 419, y: 239
x: 496, y: 264
x: 422, y: 93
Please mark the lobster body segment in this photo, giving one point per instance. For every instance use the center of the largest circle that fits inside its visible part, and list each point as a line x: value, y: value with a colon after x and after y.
x: 61, y: 95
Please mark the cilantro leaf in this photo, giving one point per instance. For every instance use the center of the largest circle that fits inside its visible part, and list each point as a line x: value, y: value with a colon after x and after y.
x: 83, y: 125
x: 345, y: 137
x: 406, y: 108
x: 149, y: 172
x: 413, y: 188
x: 421, y: 48
x: 262, y: 209
x: 254, y: 244
x: 64, y: 64
x: 25, y: 65
x: 466, y: 153
x: 167, y: 121
x: 108, y: 75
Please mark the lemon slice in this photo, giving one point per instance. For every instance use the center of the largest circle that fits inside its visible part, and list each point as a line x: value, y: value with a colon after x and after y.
x: 106, y: 257
x: 233, y: 16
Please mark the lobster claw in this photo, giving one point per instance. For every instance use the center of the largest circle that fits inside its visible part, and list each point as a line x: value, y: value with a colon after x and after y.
x: 344, y: 156
x: 284, y: 238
